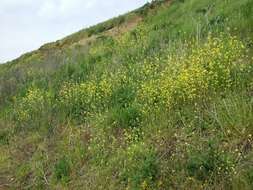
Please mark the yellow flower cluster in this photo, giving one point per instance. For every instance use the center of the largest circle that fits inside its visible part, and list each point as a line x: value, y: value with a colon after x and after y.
x: 179, y: 79
x: 86, y: 96
x: 34, y: 102
x: 204, y: 70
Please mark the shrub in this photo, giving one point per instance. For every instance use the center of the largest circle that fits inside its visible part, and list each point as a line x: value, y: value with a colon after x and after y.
x: 4, y: 137
x: 80, y: 100
x: 34, y: 106
x: 140, y: 166
x: 126, y: 117
x: 250, y: 176
x: 123, y: 96
x: 62, y: 169
x: 210, y: 165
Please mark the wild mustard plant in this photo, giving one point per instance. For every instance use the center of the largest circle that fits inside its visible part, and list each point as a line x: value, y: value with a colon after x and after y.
x: 206, y: 69
x: 32, y: 105
x: 82, y: 99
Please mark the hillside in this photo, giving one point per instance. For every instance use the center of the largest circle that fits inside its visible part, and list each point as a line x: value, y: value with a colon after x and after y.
x: 159, y: 98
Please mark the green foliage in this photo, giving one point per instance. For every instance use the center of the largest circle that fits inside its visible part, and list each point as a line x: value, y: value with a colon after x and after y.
x: 33, y: 106
x: 250, y: 176
x: 205, y: 70
x: 140, y: 167
x: 62, y: 169
x: 209, y: 164
x: 4, y: 136
x: 79, y: 100
x: 129, y: 116
x: 123, y: 96
x: 23, y: 172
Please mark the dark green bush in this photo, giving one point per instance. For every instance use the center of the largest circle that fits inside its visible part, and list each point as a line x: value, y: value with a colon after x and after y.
x: 126, y: 117
x: 62, y: 169
x: 141, y: 166
x: 123, y: 96
x: 209, y: 164
x: 4, y: 137
x: 250, y: 176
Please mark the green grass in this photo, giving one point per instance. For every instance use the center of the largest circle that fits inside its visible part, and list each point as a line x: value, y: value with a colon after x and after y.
x: 167, y: 105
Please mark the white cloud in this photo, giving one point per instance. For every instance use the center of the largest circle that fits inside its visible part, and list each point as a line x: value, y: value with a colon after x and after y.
x: 65, y: 8
x: 5, y: 3
x: 47, y: 9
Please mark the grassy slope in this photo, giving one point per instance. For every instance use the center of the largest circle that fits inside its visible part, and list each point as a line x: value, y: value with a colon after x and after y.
x: 166, y: 105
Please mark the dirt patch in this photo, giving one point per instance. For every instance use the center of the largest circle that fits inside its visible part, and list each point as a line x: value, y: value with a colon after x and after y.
x: 125, y: 27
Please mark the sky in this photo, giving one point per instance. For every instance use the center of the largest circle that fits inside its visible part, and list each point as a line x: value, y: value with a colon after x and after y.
x: 25, y: 25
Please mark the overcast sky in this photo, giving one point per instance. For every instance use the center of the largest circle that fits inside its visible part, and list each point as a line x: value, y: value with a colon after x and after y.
x: 25, y: 25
